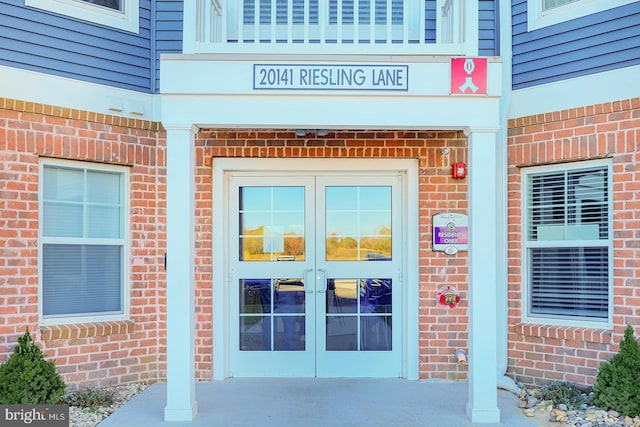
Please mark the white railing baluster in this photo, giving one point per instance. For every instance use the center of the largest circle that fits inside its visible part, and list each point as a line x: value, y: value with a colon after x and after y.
x: 389, y: 22
x: 323, y: 20
x: 307, y: 20
x: 406, y: 23
x: 422, y: 25
x: 273, y: 22
x: 290, y: 35
x: 339, y: 23
x: 356, y: 21
x: 225, y: 26
x: 218, y: 23
x: 256, y: 21
x: 372, y: 21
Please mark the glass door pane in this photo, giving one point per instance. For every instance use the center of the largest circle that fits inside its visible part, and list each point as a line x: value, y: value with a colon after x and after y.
x: 271, y: 223
x: 357, y: 260
x: 272, y: 330
x: 358, y: 223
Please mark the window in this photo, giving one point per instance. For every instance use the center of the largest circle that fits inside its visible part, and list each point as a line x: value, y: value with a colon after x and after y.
x: 567, y: 243
x: 121, y: 14
x: 543, y: 13
x: 82, y: 242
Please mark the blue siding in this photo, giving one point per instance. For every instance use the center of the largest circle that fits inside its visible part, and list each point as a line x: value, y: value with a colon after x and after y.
x: 169, y: 16
x: 600, y: 42
x: 40, y: 41
x: 487, y: 28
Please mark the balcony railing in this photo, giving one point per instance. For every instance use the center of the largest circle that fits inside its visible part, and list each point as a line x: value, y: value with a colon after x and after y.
x: 389, y: 27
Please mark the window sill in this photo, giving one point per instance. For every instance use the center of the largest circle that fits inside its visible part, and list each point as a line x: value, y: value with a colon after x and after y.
x: 85, y: 330
x: 602, y: 336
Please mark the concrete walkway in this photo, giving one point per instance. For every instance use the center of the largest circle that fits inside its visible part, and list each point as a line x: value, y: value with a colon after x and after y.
x: 311, y: 402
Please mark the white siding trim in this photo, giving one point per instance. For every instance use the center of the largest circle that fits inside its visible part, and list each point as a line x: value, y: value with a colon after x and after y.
x: 580, y: 91
x: 41, y: 88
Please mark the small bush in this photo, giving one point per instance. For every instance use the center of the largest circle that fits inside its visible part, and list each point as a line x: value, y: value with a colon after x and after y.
x: 26, y: 378
x: 566, y: 393
x: 618, y: 385
x: 90, y: 398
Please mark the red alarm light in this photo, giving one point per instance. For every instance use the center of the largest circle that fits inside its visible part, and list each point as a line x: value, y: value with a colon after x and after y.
x: 459, y: 170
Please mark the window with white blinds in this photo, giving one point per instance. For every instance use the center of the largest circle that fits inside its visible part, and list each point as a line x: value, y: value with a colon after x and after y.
x: 82, y: 244
x: 568, y: 241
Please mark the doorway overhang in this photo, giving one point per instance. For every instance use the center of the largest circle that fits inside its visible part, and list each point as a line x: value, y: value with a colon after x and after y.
x: 216, y: 91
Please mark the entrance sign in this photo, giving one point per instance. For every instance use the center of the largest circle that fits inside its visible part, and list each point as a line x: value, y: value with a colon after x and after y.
x: 450, y: 231
x: 469, y: 76
x: 330, y: 77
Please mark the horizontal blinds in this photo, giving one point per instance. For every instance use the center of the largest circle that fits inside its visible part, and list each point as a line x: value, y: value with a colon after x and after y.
x: 567, y: 230
x: 83, y: 241
x: 568, y: 205
x: 570, y: 281
x: 81, y: 279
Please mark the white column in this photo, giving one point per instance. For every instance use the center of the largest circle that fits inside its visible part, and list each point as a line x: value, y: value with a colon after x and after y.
x: 180, y: 155
x: 482, y: 406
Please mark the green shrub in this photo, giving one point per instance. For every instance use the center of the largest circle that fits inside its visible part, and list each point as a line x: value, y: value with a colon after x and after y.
x: 566, y: 393
x: 26, y: 378
x: 90, y: 398
x: 618, y: 383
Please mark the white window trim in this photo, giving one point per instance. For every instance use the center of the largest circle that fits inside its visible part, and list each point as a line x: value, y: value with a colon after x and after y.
x: 539, y: 18
x: 549, y: 319
x: 90, y: 318
x: 127, y: 19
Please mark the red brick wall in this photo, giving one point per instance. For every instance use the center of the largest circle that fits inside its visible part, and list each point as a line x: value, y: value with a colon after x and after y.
x: 93, y: 354
x: 107, y: 353
x: 539, y: 354
x: 441, y: 331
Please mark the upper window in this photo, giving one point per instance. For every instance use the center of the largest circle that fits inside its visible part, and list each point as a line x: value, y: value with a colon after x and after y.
x: 568, y: 243
x: 82, y: 242
x: 122, y: 14
x: 543, y: 13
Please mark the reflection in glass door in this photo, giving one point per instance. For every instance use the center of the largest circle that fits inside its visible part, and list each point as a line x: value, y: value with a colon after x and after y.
x: 313, y: 269
x: 357, y: 254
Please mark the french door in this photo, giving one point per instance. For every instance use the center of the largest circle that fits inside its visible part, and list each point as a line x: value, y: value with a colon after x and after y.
x: 315, y: 267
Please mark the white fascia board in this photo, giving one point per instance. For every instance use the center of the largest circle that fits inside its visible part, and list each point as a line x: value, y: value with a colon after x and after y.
x: 325, y: 112
x: 599, y: 88
x: 224, y: 74
x: 40, y: 88
x: 218, y: 92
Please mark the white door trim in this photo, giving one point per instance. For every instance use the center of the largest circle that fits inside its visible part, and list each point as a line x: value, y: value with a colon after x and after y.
x: 221, y: 167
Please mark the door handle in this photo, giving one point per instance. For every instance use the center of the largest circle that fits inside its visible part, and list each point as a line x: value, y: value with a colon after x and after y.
x: 323, y: 288
x: 305, y: 273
